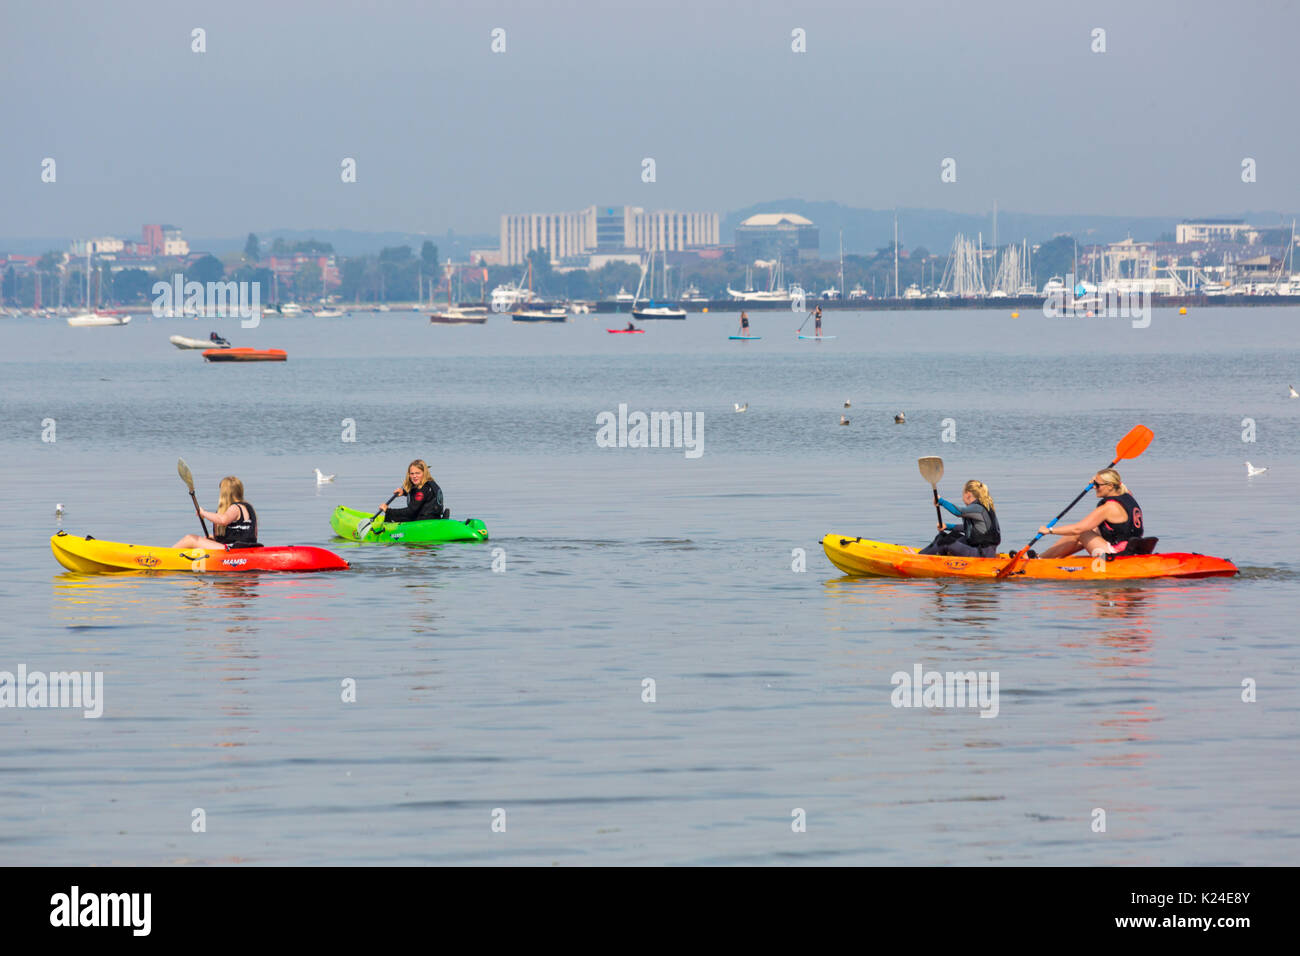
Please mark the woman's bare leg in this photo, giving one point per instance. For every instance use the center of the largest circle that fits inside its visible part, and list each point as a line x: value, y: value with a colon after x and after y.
x: 1063, y: 548
x: 194, y: 541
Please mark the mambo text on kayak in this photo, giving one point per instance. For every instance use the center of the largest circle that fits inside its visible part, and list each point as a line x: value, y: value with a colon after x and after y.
x: 177, y: 298
x: 655, y: 430
x: 102, y: 909
x: 36, y: 689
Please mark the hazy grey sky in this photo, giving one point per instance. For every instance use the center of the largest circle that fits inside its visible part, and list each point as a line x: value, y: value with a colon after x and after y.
x: 447, y: 134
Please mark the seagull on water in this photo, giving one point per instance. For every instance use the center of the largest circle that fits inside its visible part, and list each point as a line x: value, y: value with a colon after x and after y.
x: 1252, y: 471
x: 843, y: 420
x: 847, y: 403
x: 899, y: 419
x: 741, y: 408
x: 58, y: 510
x: 321, y: 479
x: 1294, y: 393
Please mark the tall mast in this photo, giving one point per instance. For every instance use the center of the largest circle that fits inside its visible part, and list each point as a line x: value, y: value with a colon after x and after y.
x: 842, y: 264
x: 895, y: 253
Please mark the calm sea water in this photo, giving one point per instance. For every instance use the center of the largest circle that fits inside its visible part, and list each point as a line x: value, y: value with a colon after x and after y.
x: 522, y: 689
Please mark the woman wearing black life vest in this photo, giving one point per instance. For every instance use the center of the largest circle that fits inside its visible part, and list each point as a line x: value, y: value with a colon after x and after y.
x: 1112, y: 528
x: 978, y: 535
x: 234, y: 523
x: 423, y: 496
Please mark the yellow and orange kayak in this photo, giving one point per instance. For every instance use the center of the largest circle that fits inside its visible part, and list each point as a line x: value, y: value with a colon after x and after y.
x: 859, y: 556
x: 92, y: 556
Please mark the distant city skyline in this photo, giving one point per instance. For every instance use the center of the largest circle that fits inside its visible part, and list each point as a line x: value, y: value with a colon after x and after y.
x: 251, y: 133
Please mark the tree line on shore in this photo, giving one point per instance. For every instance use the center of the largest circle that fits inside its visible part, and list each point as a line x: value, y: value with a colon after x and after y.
x: 400, y: 274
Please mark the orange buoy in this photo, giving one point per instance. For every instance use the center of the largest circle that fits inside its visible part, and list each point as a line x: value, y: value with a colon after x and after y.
x: 1015, y: 315
x: 1183, y: 310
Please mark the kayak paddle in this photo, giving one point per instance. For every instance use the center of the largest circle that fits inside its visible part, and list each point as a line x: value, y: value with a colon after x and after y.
x: 1130, y: 446
x: 932, y: 470
x: 364, y: 528
x: 183, y: 470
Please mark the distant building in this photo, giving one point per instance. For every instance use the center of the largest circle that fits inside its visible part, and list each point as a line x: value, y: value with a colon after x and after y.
x: 104, y: 245
x: 772, y: 235
x: 1215, y: 230
x: 604, y: 229
x: 159, y: 240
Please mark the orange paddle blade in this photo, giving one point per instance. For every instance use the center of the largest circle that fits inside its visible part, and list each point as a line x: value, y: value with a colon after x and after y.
x: 1134, y: 443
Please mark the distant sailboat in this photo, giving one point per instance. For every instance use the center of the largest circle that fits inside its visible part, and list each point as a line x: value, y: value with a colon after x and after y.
x: 653, y: 311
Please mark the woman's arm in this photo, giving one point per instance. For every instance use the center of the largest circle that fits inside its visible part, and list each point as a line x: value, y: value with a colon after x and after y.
x: 232, y: 513
x: 1110, y: 511
x: 950, y: 507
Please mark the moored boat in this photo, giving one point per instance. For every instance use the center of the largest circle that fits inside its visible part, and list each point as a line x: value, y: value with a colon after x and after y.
x: 246, y: 355
x: 85, y: 320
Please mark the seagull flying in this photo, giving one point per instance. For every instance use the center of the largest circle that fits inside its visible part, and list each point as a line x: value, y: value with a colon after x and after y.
x: 321, y: 479
x: 741, y: 408
x: 1294, y: 393
x: 1252, y: 471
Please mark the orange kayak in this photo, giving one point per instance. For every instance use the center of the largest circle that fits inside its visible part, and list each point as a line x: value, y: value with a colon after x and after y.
x: 859, y: 556
x: 246, y: 355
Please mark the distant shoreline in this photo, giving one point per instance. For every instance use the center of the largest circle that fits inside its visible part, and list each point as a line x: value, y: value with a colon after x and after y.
x: 1028, y: 304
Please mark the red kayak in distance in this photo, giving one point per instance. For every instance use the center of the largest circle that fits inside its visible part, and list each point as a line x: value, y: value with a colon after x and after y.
x: 626, y: 331
x: 245, y: 355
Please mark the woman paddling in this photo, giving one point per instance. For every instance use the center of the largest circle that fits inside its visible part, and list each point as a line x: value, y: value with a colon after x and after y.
x: 817, y: 322
x: 744, y: 323
x: 423, y: 496
x: 978, y: 535
x: 234, y: 523
x: 1112, y: 528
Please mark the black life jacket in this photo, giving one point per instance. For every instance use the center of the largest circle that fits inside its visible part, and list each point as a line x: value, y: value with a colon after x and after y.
x: 241, y: 531
x: 990, y: 538
x: 1130, y: 528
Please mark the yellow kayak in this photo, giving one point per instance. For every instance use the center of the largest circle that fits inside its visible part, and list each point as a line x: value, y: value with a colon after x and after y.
x: 92, y: 556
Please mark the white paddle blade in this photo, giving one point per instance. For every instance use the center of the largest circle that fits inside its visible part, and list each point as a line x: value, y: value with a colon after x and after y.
x: 931, y: 468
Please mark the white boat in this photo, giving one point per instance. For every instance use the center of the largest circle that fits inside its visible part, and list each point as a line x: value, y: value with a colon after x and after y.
x: 456, y: 316
x: 93, y: 319
x: 185, y: 342
x: 658, y: 312
x: 327, y: 313
x: 382, y: 308
x: 692, y: 294
x: 291, y: 308
x: 623, y: 295
x: 555, y: 314
x: 652, y: 311
x: 1054, y: 286
x: 831, y: 294
x: 913, y: 291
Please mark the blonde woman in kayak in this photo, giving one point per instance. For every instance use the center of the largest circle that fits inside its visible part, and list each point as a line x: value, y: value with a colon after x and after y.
x: 423, y: 496
x: 234, y: 523
x: 1112, y: 528
x: 978, y: 535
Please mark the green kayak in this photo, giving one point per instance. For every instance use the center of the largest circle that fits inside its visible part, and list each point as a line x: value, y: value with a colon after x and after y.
x: 345, y: 521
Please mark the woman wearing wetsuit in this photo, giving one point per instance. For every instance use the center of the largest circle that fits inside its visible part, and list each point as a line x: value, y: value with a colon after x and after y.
x: 234, y: 523
x: 978, y: 534
x: 744, y: 323
x: 1112, y: 528
x: 423, y: 496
